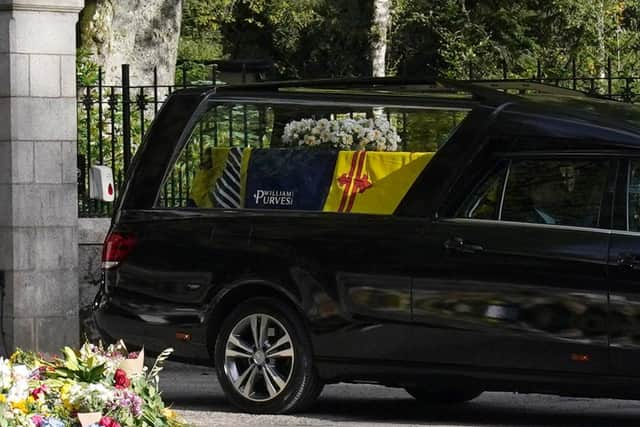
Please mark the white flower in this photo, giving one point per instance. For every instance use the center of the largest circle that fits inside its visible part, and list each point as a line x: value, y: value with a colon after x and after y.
x: 347, y: 141
x: 18, y: 392
x: 376, y: 133
x: 382, y: 124
x: 91, y: 396
x: 310, y: 140
x: 21, y: 373
x: 324, y: 124
x: 373, y: 135
x: 325, y: 136
x: 5, y: 374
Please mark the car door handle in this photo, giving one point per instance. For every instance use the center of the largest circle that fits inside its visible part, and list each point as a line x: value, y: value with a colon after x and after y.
x: 631, y: 261
x: 457, y: 244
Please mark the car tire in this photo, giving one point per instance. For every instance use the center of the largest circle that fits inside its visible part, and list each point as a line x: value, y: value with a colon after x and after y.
x: 263, y: 359
x: 443, y: 396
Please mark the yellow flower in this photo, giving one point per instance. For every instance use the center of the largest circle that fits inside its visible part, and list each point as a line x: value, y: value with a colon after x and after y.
x: 3, y: 398
x: 168, y: 413
x: 64, y: 396
x: 21, y: 405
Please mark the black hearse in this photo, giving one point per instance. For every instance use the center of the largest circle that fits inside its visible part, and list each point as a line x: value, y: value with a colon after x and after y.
x: 447, y: 238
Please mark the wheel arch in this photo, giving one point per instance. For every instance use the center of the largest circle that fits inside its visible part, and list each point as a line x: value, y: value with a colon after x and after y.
x: 227, y: 300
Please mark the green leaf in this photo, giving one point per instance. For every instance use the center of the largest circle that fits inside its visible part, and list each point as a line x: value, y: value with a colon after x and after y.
x: 71, y: 361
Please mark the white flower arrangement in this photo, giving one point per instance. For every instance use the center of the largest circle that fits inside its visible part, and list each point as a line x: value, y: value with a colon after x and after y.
x: 14, y: 380
x: 344, y: 134
x: 90, y: 397
x: 78, y: 388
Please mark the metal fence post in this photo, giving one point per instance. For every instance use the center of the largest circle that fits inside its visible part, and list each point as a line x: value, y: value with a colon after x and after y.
x: 100, y: 119
x: 609, y: 77
x: 184, y: 74
x: 88, y: 103
x: 98, y: 205
x: 155, y: 90
x: 126, y: 117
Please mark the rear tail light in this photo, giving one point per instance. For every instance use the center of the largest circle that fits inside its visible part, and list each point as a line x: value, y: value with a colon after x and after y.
x: 117, y: 246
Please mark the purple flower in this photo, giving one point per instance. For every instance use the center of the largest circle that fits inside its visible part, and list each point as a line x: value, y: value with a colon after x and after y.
x: 131, y: 401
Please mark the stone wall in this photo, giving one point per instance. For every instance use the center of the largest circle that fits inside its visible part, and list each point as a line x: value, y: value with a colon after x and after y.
x: 92, y: 232
x: 38, y: 189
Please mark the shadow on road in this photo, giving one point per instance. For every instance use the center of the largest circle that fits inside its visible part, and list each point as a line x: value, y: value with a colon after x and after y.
x: 371, y: 405
x: 479, y: 413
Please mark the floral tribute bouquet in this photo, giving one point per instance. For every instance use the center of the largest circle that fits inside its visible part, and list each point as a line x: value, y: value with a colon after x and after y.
x: 85, y: 388
x: 344, y: 134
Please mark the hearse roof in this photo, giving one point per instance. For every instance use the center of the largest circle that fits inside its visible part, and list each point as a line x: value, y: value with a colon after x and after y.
x: 524, y: 107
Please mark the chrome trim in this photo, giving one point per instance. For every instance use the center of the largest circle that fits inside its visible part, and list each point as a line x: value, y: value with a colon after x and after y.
x: 108, y: 265
x: 528, y: 224
x: 630, y: 163
x: 625, y: 233
x: 504, y: 189
x: 248, y: 100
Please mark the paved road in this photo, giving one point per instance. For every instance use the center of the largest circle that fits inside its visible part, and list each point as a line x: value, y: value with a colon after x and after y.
x: 197, y: 396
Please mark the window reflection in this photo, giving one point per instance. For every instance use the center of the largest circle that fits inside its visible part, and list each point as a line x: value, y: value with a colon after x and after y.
x: 634, y: 196
x: 557, y: 192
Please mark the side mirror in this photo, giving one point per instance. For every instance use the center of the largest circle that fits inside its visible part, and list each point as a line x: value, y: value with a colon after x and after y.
x: 101, y: 184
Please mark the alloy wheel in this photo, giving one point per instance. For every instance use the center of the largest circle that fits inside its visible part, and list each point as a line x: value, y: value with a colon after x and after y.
x: 259, y: 357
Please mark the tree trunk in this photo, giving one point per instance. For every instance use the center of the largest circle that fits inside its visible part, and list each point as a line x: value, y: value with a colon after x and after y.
x: 141, y: 33
x: 602, y: 49
x: 379, y: 29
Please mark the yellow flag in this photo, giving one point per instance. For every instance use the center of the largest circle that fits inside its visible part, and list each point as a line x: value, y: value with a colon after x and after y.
x: 244, y: 167
x: 372, y: 181
x: 206, y: 177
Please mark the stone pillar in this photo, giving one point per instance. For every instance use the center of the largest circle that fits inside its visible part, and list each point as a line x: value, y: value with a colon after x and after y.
x: 38, y: 190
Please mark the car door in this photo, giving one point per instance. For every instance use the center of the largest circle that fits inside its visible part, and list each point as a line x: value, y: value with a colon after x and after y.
x: 351, y: 275
x: 529, y: 258
x: 624, y: 271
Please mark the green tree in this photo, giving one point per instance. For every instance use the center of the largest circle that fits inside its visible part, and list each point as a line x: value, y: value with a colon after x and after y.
x: 454, y: 35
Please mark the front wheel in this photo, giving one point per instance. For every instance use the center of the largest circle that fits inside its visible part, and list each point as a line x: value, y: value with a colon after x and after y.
x: 443, y: 396
x: 263, y: 358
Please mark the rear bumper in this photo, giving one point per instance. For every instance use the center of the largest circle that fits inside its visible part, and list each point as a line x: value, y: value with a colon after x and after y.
x: 138, y: 329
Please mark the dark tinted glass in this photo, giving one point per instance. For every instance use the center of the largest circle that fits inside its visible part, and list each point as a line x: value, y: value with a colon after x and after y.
x: 329, y: 158
x: 559, y: 192
x: 634, y: 196
x: 484, y: 202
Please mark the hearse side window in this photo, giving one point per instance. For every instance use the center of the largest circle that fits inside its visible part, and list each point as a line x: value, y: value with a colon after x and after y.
x: 329, y: 158
x: 203, y: 158
x: 557, y: 192
x: 634, y: 196
x: 484, y: 201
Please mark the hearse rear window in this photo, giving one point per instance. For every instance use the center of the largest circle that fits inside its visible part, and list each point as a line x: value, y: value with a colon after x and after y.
x: 310, y: 158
